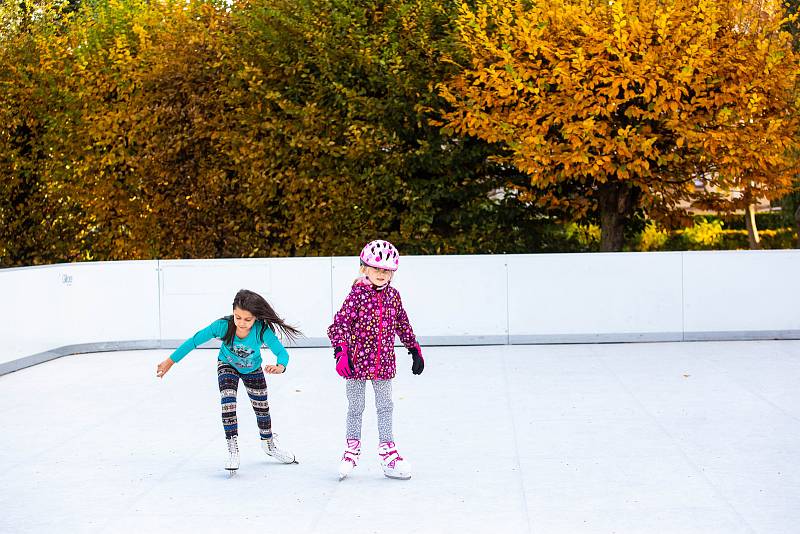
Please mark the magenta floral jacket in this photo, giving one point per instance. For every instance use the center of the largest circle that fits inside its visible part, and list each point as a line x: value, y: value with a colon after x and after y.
x: 366, y: 325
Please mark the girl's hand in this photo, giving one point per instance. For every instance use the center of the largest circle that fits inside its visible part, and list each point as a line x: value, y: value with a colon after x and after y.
x: 274, y: 369
x: 163, y: 367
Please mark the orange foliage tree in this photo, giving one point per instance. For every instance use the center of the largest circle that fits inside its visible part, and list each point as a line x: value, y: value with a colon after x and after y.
x: 110, y: 147
x: 152, y: 161
x: 630, y: 100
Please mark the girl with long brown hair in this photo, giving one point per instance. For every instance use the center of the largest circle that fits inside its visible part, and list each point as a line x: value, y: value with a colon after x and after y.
x: 253, y: 324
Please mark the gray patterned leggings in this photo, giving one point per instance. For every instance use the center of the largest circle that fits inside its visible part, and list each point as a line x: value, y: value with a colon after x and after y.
x: 356, y: 390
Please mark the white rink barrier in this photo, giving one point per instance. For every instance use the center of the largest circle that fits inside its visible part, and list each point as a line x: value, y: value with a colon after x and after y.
x: 54, y: 310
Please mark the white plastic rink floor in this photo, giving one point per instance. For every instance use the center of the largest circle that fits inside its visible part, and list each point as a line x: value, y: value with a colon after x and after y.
x: 612, y: 438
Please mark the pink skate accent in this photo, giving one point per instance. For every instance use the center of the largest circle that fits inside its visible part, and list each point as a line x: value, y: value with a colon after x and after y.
x: 352, y: 451
x: 387, y: 450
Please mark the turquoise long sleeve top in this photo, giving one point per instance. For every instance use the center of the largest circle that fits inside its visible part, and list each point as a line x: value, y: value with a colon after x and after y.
x: 243, y: 354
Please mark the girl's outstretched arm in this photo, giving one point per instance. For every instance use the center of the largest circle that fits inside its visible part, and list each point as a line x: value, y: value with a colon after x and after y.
x: 216, y: 329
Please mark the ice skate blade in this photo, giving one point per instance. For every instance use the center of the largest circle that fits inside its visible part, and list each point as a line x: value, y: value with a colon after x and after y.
x: 343, y: 475
x: 397, y: 477
x: 292, y: 461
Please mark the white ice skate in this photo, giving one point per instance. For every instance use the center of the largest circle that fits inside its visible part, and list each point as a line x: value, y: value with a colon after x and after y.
x: 233, y: 455
x: 350, y: 457
x: 392, y: 463
x: 270, y: 447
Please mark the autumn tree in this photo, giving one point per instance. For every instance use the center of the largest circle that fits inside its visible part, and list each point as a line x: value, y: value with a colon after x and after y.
x: 111, y: 118
x: 137, y: 129
x: 631, y: 100
x: 152, y: 162
x: 38, y: 222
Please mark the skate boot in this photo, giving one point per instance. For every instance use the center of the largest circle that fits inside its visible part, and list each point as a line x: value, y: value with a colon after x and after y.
x: 350, y: 457
x: 391, y: 462
x: 233, y: 454
x: 270, y: 447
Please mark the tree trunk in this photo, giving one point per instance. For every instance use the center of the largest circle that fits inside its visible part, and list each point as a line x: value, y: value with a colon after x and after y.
x: 617, y: 201
x: 797, y: 223
x: 752, y: 228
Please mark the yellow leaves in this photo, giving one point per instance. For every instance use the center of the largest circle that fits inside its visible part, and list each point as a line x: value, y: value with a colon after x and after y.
x: 650, y: 89
x: 620, y: 23
x: 683, y: 74
x: 141, y: 33
x: 754, y: 101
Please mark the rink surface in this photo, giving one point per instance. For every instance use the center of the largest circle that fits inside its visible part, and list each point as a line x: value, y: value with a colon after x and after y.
x: 617, y: 438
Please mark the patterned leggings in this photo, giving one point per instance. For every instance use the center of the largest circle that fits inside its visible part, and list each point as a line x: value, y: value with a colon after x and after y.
x: 383, y: 403
x: 228, y: 378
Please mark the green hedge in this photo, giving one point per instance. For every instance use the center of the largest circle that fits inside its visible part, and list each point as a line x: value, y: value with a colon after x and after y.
x: 705, y: 234
x: 773, y: 220
x: 711, y: 234
x: 732, y: 240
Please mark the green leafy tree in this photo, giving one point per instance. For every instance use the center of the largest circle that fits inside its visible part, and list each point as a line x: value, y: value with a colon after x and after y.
x: 346, y: 89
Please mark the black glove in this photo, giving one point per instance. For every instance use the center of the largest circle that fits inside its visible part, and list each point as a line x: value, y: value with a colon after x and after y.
x: 418, y: 363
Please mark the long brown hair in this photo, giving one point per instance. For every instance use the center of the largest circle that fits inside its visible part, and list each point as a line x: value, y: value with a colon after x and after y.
x: 263, y: 312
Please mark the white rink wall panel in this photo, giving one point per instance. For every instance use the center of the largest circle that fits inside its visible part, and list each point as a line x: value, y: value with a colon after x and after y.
x: 741, y: 294
x: 449, y: 299
x: 594, y: 297
x: 195, y: 293
x: 31, y: 299
x: 73, y: 304
x: 456, y: 299
x: 109, y: 301
x: 344, y: 271
x: 301, y: 294
x: 461, y: 300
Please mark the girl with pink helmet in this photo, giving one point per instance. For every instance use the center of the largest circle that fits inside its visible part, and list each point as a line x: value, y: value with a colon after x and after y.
x: 363, y: 334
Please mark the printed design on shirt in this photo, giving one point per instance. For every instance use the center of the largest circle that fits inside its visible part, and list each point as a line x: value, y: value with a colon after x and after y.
x: 244, y: 355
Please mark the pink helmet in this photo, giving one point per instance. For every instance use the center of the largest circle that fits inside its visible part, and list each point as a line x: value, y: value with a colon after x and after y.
x: 381, y: 255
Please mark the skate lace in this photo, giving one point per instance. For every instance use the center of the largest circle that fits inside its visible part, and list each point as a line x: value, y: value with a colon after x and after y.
x: 233, y: 445
x: 272, y: 443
